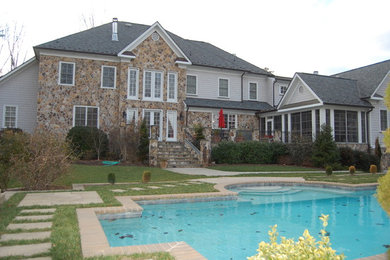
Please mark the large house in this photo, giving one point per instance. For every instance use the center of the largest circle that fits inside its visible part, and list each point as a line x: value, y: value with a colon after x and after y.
x: 120, y: 73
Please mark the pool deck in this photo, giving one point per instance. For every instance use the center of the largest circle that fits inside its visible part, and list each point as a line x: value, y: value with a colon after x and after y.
x: 94, y: 242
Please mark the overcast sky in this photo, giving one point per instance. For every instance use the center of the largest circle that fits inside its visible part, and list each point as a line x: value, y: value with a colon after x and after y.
x: 285, y: 36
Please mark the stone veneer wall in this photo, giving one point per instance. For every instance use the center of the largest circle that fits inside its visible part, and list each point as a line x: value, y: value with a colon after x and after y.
x: 56, y: 102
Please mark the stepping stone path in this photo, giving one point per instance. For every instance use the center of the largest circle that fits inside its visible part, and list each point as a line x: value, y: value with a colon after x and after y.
x: 118, y: 190
x: 168, y: 185
x: 137, y: 189
x: 40, y: 219
x: 153, y: 187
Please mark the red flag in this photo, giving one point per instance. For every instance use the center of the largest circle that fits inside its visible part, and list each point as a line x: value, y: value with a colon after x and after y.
x: 221, y: 120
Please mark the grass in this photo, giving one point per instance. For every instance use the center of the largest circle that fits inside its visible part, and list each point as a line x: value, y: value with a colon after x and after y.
x: 98, y: 174
x: 347, y: 178
x: 260, y: 168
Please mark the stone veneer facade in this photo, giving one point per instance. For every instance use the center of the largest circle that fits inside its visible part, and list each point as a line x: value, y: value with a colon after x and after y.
x: 56, y: 102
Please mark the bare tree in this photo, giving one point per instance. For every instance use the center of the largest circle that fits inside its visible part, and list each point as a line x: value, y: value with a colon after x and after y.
x: 13, y: 41
x: 88, y: 20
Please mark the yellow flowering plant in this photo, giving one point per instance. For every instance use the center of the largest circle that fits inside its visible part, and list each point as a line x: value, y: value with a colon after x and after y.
x: 305, y: 248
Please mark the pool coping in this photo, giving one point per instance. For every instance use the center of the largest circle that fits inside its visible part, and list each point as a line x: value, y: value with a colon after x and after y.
x: 94, y: 241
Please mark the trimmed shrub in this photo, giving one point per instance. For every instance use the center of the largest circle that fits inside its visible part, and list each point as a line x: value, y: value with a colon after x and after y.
x: 373, y: 169
x: 146, y: 176
x: 325, y: 151
x: 300, y: 149
x: 88, y: 142
x: 111, y: 178
x: 346, y: 156
x: 248, y: 152
x: 352, y: 170
x: 363, y: 160
x: 328, y: 170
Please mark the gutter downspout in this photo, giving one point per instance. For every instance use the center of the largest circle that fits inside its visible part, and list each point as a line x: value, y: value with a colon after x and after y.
x: 273, y: 92
x: 242, y: 87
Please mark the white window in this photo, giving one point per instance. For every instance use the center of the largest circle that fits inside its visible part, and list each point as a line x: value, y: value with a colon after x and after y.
x: 252, y: 91
x: 172, y: 87
x: 171, y: 125
x: 132, y: 116
x: 192, y: 85
x: 383, y: 119
x: 10, y: 116
x: 86, y: 116
x: 282, y: 90
x: 223, y: 89
x: 153, y: 117
x: 153, y: 85
x: 108, y: 77
x: 66, y: 73
x: 132, y: 84
x: 230, y: 121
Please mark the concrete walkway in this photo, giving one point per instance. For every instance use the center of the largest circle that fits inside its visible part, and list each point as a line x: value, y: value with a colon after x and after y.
x: 210, y: 172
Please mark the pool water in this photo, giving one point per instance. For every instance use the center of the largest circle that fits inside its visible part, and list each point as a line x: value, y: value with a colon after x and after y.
x: 358, y: 226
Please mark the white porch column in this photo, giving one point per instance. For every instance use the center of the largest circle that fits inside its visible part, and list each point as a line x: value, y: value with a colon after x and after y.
x: 313, y: 124
x: 289, y: 127
x: 322, y: 116
x: 359, y: 117
x: 283, y: 128
x: 332, y: 121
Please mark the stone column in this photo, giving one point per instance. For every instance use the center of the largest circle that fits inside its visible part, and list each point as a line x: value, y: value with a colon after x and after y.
x: 205, y: 152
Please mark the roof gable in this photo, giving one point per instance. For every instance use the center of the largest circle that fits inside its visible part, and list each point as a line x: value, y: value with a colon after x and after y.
x: 299, y: 94
x: 156, y: 27
x: 368, y: 77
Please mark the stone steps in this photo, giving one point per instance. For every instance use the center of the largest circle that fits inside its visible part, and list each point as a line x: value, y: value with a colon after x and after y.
x: 33, y: 248
x: 177, y: 154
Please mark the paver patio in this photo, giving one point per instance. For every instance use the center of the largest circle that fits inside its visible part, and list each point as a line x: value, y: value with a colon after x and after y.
x: 60, y: 198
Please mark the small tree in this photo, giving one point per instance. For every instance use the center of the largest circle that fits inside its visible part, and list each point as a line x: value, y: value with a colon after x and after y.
x: 325, y: 151
x: 46, y: 157
x: 12, y: 143
x: 99, y: 141
x: 198, y: 129
x: 143, y: 147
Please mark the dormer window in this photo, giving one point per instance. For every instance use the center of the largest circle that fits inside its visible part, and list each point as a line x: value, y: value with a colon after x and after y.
x: 282, y: 90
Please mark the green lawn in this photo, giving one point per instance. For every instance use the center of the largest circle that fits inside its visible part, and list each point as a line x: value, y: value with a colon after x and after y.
x: 346, y: 178
x: 261, y: 168
x: 98, y: 174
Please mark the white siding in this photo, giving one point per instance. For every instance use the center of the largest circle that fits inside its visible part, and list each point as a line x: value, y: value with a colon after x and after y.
x: 208, y: 84
x: 295, y: 96
x: 375, y: 122
x: 20, y: 89
x: 382, y: 87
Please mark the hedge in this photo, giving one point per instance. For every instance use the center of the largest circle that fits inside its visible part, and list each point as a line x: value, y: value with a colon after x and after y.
x: 248, y: 152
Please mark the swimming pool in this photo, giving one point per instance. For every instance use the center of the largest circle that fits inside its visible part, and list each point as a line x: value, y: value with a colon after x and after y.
x: 232, y: 229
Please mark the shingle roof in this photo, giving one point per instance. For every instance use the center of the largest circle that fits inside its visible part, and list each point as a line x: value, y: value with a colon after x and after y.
x: 368, y: 77
x: 97, y: 40
x: 333, y: 90
x: 225, y: 104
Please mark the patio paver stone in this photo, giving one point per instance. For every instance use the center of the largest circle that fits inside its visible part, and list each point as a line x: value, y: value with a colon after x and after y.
x: 40, y: 217
x: 24, y: 250
x: 48, y: 210
x: 137, y: 189
x: 28, y: 226
x: 60, y: 198
x: 154, y: 187
x: 25, y: 236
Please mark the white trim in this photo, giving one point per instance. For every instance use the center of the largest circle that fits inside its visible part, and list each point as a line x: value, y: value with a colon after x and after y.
x: 17, y: 69
x: 299, y: 108
x: 77, y: 55
x: 164, y: 35
x: 174, y: 99
x: 86, y: 114
x: 249, y: 90
x: 136, y: 84
x: 380, y: 84
x: 152, y: 86
x: 16, y: 115
x: 216, y: 110
x: 135, y: 115
x: 59, y: 73
x: 228, y: 85
x: 174, y: 114
x: 196, y: 85
x: 376, y: 98
x: 102, y: 74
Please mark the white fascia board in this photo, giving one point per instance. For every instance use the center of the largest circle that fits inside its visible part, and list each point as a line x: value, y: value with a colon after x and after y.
x: 156, y: 27
x: 17, y: 69
x: 299, y: 108
x: 380, y: 84
x: 78, y: 55
x: 216, y: 110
